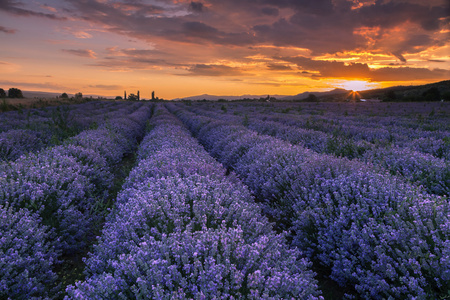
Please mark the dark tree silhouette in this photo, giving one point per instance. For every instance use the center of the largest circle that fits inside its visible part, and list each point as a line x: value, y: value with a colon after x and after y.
x: 15, y: 93
x: 2, y: 93
x: 64, y: 96
x: 391, y: 95
x: 312, y: 98
x: 446, y: 96
x: 132, y: 97
x: 432, y: 94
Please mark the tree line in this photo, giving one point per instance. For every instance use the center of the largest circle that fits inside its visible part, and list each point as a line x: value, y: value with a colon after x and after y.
x: 429, y: 95
x: 12, y: 93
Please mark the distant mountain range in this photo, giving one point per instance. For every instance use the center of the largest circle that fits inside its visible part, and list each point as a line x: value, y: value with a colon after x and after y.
x: 229, y: 98
x: 317, y: 94
x: 278, y: 97
x: 412, y: 93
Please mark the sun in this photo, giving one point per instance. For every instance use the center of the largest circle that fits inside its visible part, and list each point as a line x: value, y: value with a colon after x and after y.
x: 357, y: 85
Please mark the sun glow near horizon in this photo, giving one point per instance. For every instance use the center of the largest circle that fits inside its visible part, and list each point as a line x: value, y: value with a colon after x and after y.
x: 358, y: 85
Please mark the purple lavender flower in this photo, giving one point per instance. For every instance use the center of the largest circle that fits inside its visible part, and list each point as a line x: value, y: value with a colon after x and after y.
x: 27, y: 256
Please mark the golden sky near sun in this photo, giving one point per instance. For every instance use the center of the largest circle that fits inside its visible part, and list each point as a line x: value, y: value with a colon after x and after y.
x: 184, y: 48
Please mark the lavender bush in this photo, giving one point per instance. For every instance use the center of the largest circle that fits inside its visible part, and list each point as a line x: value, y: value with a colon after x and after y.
x: 109, y: 144
x: 173, y: 162
x: 189, y: 234
x: 57, y: 187
x: 421, y: 168
x: 35, y: 129
x: 205, y: 264
x: 27, y: 256
x: 379, y: 236
x: 359, y: 195
x: 65, y: 184
x: 437, y: 147
x: 15, y: 142
x: 95, y: 166
x: 376, y: 232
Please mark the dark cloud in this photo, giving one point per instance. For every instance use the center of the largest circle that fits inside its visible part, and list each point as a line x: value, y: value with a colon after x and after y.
x: 128, y: 64
x: 214, y: 70
x: 323, y: 26
x: 308, y: 31
x: 330, y: 68
x: 281, y: 33
x: 139, y: 9
x: 196, y: 7
x: 414, y: 43
x: 49, y: 8
x: 333, y: 30
x: 399, y: 56
x: 270, y: 11
x: 81, y: 52
x: 126, y: 17
x: 326, y: 27
x: 135, y: 59
x: 136, y: 52
x: 15, y: 7
x: 388, y: 14
x: 335, y: 69
x: 164, y: 23
x: 317, y: 7
x: 7, y: 30
x: 201, y: 30
x: 408, y: 74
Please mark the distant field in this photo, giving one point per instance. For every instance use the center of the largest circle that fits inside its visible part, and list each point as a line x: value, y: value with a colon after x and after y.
x: 17, y: 104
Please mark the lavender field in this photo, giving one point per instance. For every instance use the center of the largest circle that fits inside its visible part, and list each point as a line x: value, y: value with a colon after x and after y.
x: 219, y: 200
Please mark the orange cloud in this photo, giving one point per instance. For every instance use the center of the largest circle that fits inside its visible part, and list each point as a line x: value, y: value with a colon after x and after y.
x: 81, y: 52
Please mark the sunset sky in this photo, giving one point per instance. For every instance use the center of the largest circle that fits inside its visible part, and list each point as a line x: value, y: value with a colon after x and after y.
x: 181, y: 48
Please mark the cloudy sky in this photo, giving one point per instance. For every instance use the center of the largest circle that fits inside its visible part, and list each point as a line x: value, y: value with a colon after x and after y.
x: 224, y: 47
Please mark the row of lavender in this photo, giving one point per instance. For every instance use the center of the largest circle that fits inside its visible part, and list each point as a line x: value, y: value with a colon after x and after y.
x: 408, y: 159
x: 410, y: 118
x: 423, y: 158
x: 428, y: 134
x: 35, y: 129
x: 50, y: 202
x: 402, y: 130
x: 374, y: 234
x: 359, y: 136
x: 183, y: 230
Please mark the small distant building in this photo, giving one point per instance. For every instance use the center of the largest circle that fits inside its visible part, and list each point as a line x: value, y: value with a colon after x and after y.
x: 370, y: 100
